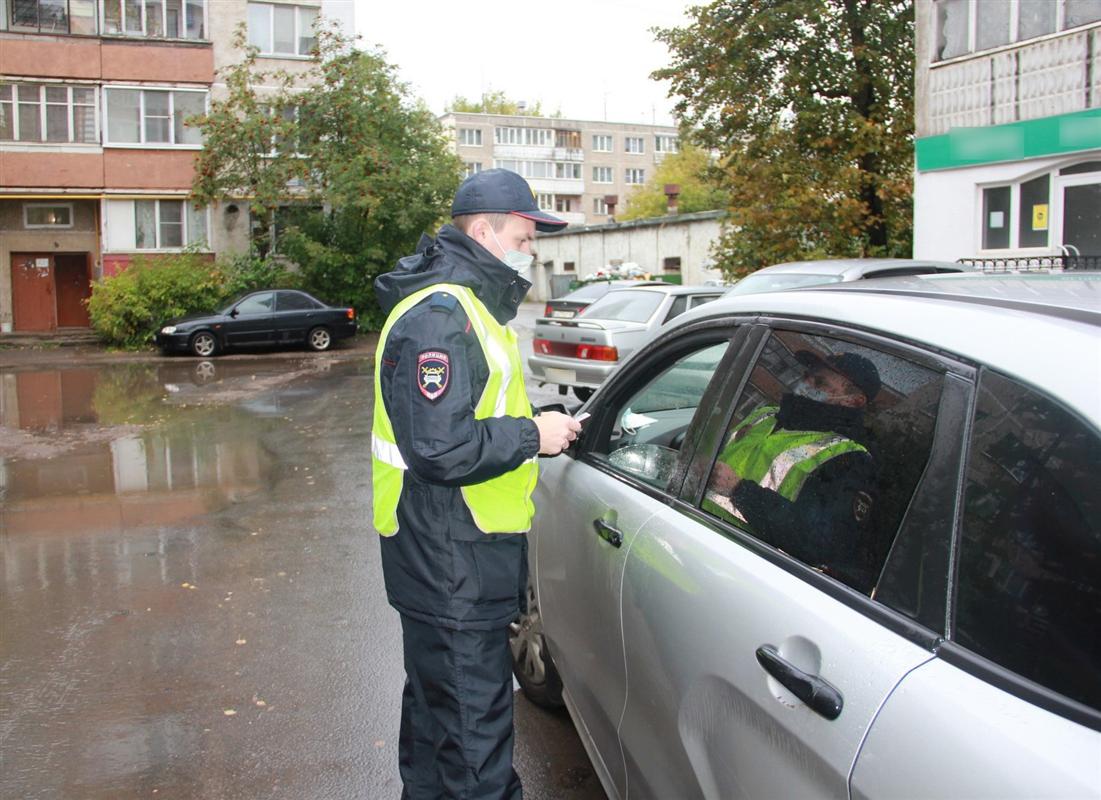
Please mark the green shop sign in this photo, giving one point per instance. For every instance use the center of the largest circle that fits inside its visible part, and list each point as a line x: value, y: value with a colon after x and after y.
x: 1015, y: 141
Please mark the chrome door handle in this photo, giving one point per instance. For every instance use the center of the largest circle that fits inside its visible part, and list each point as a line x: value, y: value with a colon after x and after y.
x: 820, y: 696
x: 609, y: 533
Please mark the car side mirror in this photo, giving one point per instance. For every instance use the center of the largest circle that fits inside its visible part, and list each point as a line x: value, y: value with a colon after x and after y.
x: 233, y: 313
x: 559, y: 407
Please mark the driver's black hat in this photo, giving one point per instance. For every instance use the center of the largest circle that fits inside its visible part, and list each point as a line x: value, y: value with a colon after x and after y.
x: 502, y: 191
x: 856, y: 368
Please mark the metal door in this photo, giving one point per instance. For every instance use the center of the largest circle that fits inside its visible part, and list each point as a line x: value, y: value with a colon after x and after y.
x: 33, y: 300
x: 73, y: 290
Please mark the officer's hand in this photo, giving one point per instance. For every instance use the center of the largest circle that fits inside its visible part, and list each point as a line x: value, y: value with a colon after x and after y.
x: 723, y: 480
x: 556, y: 431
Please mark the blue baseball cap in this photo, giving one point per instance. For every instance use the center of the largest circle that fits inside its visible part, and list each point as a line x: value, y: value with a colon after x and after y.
x: 502, y: 191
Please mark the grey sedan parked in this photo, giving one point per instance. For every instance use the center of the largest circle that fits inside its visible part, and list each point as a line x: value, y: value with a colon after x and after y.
x: 943, y: 641
x: 581, y: 352
x: 796, y: 274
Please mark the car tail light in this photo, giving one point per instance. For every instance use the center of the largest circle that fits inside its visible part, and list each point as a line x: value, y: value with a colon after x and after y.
x: 597, y: 352
x: 590, y: 352
x: 351, y: 312
x: 548, y: 310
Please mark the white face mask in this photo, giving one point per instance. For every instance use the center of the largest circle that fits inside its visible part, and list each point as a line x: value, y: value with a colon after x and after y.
x: 513, y: 258
x: 804, y: 389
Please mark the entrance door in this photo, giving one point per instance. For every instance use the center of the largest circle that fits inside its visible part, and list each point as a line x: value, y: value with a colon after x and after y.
x: 73, y: 289
x: 1082, y: 218
x: 33, y: 302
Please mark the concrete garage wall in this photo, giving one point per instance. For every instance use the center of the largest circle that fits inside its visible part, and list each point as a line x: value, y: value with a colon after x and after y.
x: 646, y: 242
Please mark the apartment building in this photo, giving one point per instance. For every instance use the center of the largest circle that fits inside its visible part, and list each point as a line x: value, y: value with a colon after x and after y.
x: 1008, y: 122
x: 579, y: 170
x: 95, y: 157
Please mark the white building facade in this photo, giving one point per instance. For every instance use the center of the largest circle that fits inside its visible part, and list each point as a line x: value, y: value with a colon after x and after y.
x: 1008, y: 123
x: 573, y: 166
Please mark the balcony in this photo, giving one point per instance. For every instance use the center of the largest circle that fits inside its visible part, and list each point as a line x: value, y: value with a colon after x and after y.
x: 557, y: 186
x: 571, y: 217
x: 569, y: 154
x: 524, y: 152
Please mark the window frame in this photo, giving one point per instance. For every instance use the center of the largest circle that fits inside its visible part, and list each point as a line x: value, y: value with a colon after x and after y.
x: 185, y: 12
x: 462, y: 134
x: 599, y: 171
x: 185, y: 233
x: 604, y: 138
x: 34, y: 226
x: 142, y: 142
x: 1056, y: 183
x: 666, y: 143
x: 634, y: 172
x: 971, y: 48
x: 297, y: 34
x: 43, y: 104
x: 628, y: 147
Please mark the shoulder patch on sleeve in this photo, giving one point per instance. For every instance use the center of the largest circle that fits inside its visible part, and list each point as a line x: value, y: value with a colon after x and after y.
x: 433, y: 373
x: 444, y: 301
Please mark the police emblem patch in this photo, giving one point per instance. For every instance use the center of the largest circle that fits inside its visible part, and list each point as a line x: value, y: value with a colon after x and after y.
x: 862, y: 506
x: 433, y: 373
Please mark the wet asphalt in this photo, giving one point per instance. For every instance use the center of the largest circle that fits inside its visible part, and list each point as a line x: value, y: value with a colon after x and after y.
x: 191, y: 599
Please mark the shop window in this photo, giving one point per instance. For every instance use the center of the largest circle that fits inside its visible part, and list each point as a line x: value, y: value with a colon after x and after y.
x: 995, y: 215
x: 1032, y: 227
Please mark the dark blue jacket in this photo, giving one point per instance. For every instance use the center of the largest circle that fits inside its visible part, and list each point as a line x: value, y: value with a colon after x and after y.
x: 439, y: 567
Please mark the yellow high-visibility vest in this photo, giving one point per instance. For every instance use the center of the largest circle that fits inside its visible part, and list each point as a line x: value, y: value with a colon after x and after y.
x: 501, y: 504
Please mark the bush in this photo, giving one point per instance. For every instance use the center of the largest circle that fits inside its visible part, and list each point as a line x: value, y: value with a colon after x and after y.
x: 126, y: 309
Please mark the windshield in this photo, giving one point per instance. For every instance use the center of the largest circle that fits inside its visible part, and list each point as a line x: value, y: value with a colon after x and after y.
x: 628, y: 305
x: 590, y: 292
x: 778, y: 281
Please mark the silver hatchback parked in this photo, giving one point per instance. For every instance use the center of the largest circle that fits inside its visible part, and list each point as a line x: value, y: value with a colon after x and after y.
x: 903, y: 599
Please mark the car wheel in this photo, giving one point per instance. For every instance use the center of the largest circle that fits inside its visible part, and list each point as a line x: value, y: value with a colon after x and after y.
x: 319, y: 339
x: 203, y: 344
x: 531, y: 662
x: 583, y: 393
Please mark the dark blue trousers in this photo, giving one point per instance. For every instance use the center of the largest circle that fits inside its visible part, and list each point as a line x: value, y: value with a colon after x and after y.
x: 456, y: 714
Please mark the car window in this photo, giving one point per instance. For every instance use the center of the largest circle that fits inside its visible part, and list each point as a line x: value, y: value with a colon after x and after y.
x: 590, y: 292
x: 257, y: 304
x: 294, y: 301
x: 823, y: 452
x: 626, y: 304
x: 680, y: 304
x: 1029, y: 584
x: 776, y: 281
x: 650, y: 425
x: 698, y: 300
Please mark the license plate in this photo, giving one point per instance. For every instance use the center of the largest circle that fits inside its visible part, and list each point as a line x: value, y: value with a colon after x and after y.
x: 555, y: 375
x: 562, y: 314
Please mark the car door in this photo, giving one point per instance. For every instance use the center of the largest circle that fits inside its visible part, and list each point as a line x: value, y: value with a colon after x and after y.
x: 1011, y: 707
x: 295, y: 314
x: 753, y: 673
x: 590, y: 507
x: 252, y: 320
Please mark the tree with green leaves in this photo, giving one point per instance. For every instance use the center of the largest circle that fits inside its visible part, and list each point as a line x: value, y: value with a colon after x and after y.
x: 357, y: 168
x: 496, y: 102
x: 690, y: 169
x: 810, y: 105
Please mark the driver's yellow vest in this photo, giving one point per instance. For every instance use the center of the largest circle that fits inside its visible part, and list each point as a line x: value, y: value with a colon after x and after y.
x: 499, y: 505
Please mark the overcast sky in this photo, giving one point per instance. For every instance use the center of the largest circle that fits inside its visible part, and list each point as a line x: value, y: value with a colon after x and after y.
x: 589, y: 58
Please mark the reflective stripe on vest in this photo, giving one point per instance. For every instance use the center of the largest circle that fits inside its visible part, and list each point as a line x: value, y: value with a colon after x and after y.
x: 500, y: 505
x: 781, y: 460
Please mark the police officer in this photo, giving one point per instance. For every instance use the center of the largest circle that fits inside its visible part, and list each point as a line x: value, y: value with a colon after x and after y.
x: 454, y: 445
x: 801, y: 474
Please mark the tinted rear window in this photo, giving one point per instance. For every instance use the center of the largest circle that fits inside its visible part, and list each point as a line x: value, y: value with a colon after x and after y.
x: 778, y: 281
x: 590, y: 292
x: 628, y: 305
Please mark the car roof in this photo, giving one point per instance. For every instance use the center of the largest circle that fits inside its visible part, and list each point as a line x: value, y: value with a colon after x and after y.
x: 1044, y: 329
x: 673, y: 288
x: 854, y: 268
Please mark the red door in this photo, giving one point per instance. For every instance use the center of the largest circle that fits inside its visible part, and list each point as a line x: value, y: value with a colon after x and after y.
x: 73, y: 288
x: 32, y: 282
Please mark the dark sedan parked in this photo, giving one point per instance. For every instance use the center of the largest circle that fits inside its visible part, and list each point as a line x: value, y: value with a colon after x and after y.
x: 264, y: 318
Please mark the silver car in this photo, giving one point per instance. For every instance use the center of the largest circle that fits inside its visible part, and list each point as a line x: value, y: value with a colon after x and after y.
x: 796, y: 274
x: 583, y: 351
x: 701, y: 655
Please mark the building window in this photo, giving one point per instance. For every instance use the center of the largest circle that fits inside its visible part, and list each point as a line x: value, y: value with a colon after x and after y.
x: 600, y: 206
x: 31, y: 112
x: 569, y: 266
x: 470, y: 137
x: 602, y: 174
x: 1054, y: 210
x: 48, y: 215
x: 570, y: 172
x: 503, y: 135
x: 168, y: 224
x: 545, y: 201
x: 568, y: 139
x: 282, y: 30
x: 968, y: 26
x: 471, y: 167
x: 174, y: 19
x: 634, y: 175
x: 666, y: 144
x: 634, y: 144
x: 563, y: 204
x: 153, y: 116
x: 602, y: 143
x: 671, y: 264
x: 539, y: 137
x: 50, y: 16
x: 995, y: 215
x: 1032, y: 224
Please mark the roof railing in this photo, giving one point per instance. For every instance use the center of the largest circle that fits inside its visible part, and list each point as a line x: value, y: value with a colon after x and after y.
x: 1059, y: 263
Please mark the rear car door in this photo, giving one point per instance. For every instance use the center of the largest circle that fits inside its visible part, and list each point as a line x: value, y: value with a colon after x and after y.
x: 756, y: 658
x: 1011, y: 707
x: 295, y: 314
x: 252, y: 320
x: 591, y: 507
